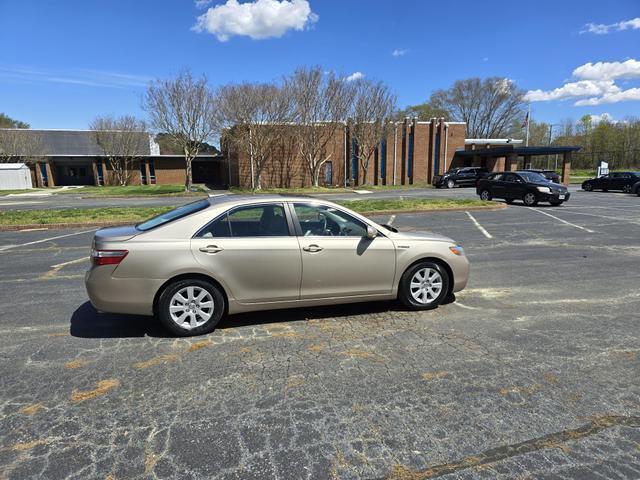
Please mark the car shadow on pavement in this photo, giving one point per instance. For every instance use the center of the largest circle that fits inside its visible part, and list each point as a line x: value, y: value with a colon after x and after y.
x: 87, y: 322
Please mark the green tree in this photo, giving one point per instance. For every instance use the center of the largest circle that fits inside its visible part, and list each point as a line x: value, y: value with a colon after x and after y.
x: 8, y: 122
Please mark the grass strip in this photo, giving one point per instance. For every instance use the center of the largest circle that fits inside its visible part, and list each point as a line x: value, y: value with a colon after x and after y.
x: 139, y: 214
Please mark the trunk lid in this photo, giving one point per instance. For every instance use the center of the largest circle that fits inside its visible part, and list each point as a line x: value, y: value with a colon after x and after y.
x: 116, y: 234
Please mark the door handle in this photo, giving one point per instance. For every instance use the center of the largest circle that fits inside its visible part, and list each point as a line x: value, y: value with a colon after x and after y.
x: 210, y: 249
x: 312, y: 248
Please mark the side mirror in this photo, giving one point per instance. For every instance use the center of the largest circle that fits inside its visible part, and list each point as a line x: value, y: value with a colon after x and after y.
x: 371, y: 232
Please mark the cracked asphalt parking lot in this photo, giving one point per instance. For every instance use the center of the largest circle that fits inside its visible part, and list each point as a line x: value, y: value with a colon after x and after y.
x: 533, y: 372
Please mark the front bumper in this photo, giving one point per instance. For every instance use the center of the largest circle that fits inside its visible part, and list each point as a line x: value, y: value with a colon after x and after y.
x: 120, y: 295
x: 438, y: 181
x: 553, y: 197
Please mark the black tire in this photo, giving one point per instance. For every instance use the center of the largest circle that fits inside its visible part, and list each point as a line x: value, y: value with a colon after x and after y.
x: 530, y: 199
x: 486, y: 195
x: 587, y: 187
x: 451, y: 183
x: 165, y: 300
x: 627, y: 188
x: 404, y: 288
x: 509, y: 201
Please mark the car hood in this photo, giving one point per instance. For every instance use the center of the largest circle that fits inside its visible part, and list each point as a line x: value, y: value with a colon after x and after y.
x: 419, y: 235
x: 116, y: 234
x: 555, y: 187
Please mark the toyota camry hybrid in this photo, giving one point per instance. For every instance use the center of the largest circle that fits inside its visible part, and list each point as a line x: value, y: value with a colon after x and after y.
x: 229, y: 254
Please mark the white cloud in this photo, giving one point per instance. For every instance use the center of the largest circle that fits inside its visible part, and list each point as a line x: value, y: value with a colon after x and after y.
x: 202, y: 3
x: 582, y: 88
x: 613, y: 97
x: 595, y: 85
x: 399, y: 52
x: 86, y: 77
x: 608, y: 70
x: 605, y: 117
x: 258, y: 19
x: 354, y: 76
x: 603, y: 29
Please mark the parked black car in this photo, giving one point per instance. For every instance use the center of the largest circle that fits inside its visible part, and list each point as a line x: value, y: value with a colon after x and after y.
x: 551, y: 175
x: 636, y: 188
x: 530, y: 187
x: 612, y: 181
x: 460, y: 177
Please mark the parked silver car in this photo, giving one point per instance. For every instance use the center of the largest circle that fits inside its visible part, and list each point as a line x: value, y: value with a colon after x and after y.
x: 232, y: 253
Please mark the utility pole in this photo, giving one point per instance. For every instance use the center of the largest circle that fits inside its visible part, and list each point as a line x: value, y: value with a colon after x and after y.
x: 528, y: 122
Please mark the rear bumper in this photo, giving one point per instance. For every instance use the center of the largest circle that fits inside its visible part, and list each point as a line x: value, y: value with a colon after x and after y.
x: 120, y: 295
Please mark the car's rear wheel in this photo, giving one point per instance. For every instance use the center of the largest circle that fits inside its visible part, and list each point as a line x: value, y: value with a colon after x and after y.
x: 485, y: 195
x: 424, y: 286
x: 587, y: 187
x: 626, y: 189
x: 530, y: 199
x: 451, y: 183
x: 191, y: 307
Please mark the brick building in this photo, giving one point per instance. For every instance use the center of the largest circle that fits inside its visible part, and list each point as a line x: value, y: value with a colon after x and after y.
x: 73, y: 157
x: 412, y: 153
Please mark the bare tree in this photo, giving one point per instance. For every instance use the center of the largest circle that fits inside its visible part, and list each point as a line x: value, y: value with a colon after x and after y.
x: 184, y: 108
x: 19, y: 145
x: 256, y: 116
x: 373, y: 108
x: 489, y: 107
x: 123, y: 140
x: 322, y: 102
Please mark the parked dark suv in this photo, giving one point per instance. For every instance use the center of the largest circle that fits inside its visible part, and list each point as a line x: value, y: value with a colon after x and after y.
x: 530, y: 187
x: 460, y: 177
x: 551, y: 175
x: 613, y: 181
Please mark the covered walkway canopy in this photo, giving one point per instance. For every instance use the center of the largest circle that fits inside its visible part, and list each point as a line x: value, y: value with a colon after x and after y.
x: 512, y: 152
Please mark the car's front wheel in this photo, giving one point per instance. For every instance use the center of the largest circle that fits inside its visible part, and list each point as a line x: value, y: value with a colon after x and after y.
x: 451, y: 183
x: 190, y: 307
x: 587, y: 187
x: 424, y: 286
x: 530, y: 199
x: 627, y: 188
x: 485, y: 195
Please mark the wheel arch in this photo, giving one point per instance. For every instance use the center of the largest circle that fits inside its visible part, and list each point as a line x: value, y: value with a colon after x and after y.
x: 185, y: 276
x: 436, y: 260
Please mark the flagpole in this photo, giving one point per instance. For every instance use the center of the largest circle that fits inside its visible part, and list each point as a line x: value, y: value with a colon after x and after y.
x: 528, y: 122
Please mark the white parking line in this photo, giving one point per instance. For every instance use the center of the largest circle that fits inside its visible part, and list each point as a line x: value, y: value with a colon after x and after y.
x: 70, y: 262
x: 7, y: 247
x: 563, y: 221
x: 480, y: 227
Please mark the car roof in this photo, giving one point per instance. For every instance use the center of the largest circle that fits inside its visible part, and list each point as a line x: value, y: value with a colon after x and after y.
x: 245, y: 199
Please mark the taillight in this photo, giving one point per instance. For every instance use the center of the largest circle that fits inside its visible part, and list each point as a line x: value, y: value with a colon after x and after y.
x: 108, y: 257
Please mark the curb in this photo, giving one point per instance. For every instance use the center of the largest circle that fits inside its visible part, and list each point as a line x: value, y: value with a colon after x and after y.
x: 60, y: 226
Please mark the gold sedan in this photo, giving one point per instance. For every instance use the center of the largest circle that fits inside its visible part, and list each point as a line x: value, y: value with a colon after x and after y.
x: 229, y: 254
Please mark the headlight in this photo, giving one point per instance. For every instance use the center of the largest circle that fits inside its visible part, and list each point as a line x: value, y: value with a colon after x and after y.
x: 457, y: 250
x: 544, y: 189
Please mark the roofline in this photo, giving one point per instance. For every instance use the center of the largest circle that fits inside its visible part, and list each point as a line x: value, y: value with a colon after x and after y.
x: 492, y: 141
x: 75, y: 155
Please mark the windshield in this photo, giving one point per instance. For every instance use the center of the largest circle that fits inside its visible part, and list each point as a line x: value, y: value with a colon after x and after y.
x: 172, y: 215
x: 533, y: 177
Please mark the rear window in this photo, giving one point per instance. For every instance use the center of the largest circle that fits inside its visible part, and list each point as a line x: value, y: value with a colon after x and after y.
x: 172, y: 215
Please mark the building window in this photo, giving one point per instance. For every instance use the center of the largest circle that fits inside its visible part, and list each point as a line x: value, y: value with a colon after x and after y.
x: 383, y: 159
x: 410, y: 159
x: 152, y: 171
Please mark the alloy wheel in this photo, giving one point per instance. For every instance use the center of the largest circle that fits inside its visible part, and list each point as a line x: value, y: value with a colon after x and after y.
x: 191, y: 307
x: 626, y: 189
x: 451, y: 184
x: 484, y: 195
x: 529, y: 198
x: 426, y: 285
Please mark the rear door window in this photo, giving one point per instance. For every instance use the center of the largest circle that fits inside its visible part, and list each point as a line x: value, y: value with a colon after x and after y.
x: 249, y: 221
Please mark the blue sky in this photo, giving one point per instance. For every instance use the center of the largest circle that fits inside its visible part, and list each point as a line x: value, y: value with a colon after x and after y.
x: 63, y: 63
